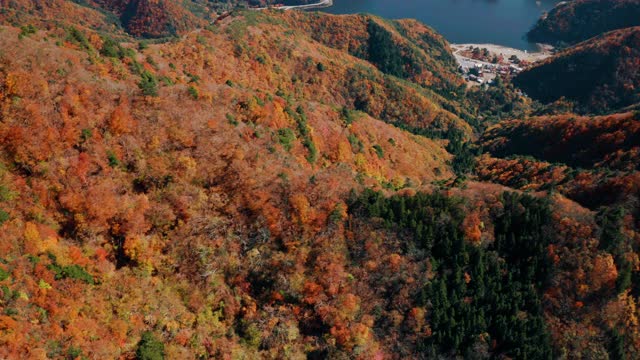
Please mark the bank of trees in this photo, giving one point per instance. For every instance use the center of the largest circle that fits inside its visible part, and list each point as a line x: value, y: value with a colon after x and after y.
x: 479, y: 296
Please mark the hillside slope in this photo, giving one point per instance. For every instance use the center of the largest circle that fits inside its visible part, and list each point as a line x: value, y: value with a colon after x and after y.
x: 403, y: 48
x: 248, y: 191
x: 592, y: 160
x: 52, y: 13
x: 575, y: 21
x: 130, y: 177
x: 600, y: 75
x: 586, y: 142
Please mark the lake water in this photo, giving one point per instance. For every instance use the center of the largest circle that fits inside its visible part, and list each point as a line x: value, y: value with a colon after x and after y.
x: 503, y: 22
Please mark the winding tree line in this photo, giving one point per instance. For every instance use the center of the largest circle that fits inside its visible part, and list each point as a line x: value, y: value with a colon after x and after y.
x: 481, y: 299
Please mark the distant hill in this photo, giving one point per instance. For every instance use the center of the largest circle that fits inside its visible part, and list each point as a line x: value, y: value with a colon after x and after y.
x: 600, y: 75
x: 575, y: 21
x: 152, y: 18
x: 51, y: 13
x: 140, y: 18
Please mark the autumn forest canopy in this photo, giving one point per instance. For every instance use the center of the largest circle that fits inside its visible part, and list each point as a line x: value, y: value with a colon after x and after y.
x: 196, y: 179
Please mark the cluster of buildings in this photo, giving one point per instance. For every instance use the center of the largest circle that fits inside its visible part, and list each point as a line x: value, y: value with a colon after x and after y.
x: 482, y: 72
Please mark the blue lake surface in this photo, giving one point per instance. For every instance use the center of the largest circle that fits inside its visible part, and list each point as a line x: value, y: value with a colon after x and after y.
x: 503, y: 22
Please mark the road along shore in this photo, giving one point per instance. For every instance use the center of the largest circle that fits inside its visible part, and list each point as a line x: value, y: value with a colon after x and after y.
x: 318, y: 5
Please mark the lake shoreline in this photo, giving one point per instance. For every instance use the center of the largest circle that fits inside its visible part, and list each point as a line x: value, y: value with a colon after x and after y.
x: 543, y: 50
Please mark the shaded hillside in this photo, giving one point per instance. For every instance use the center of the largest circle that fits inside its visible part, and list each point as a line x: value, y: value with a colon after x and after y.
x: 588, y: 142
x: 592, y: 188
x: 575, y: 21
x: 600, y: 75
x: 592, y: 160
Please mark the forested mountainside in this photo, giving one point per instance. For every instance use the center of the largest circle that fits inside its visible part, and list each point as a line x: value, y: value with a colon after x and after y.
x: 574, y: 21
x: 404, y: 48
x: 151, y: 18
x: 592, y: 160
x: 599, y: 75
x: 296, y: 185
